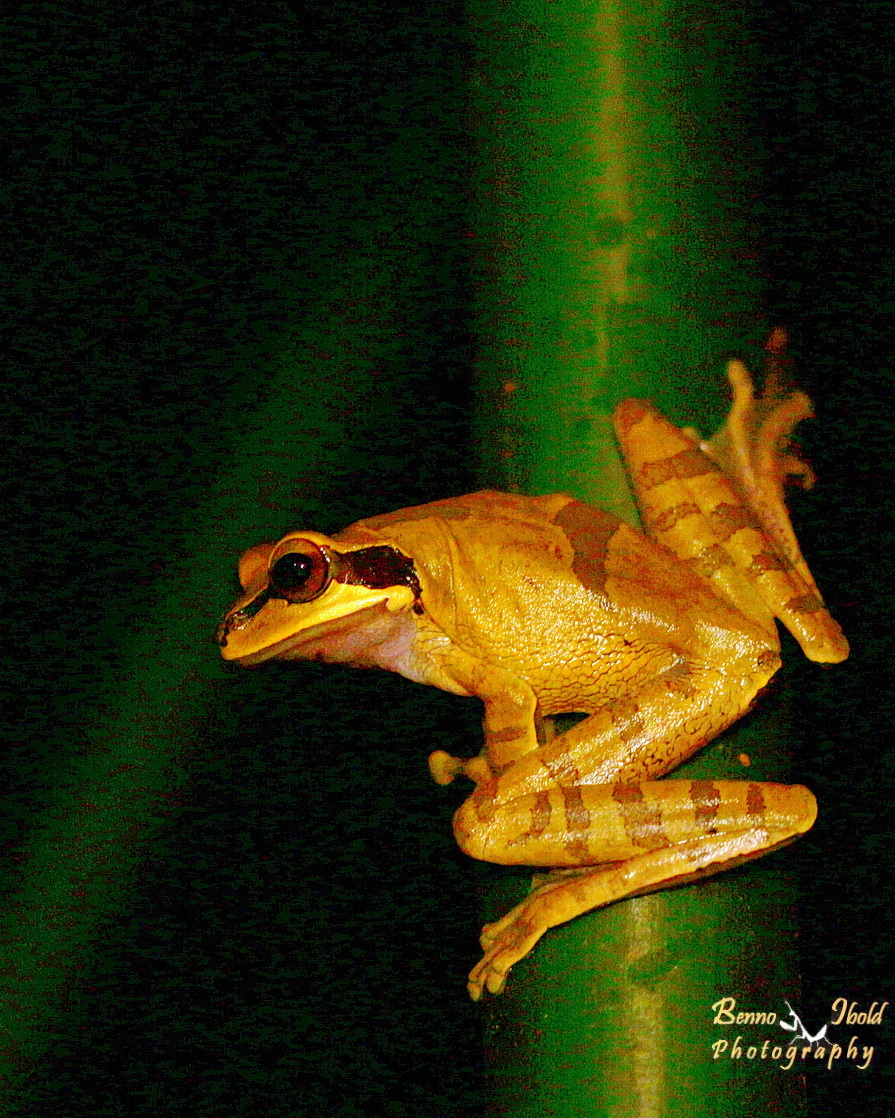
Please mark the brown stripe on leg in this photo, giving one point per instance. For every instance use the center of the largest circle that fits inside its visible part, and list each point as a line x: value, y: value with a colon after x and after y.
x: 690, y: 462
x: 706, y: 802
x: 755, y: 804
x: 541, y: 812
x: 642, y: 823
x: 577, y: 824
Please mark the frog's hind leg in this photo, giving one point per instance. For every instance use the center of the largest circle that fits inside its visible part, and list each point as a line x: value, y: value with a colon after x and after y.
x: 719, y: 506
x: 652, y: 836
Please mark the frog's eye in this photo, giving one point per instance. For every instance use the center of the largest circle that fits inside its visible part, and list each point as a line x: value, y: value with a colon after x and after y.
x: 299, y: 571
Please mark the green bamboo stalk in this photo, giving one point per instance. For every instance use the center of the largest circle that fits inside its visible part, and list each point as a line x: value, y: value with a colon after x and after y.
x: 613, y: 176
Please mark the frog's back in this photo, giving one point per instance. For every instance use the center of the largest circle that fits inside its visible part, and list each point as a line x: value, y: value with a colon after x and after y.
x: 483, y: 505
x: 529, y: 581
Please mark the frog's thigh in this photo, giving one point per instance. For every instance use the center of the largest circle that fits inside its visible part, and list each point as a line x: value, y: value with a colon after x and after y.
x: 583, y: 825
x: 646, y: 734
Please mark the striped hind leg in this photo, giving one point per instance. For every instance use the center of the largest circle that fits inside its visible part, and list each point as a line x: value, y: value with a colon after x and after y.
x: 719, y: 505
x: 645, y: 837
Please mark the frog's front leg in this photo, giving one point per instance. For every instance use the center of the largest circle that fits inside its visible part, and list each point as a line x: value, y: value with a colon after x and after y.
x: 650, y: 836
x: 512, y: 726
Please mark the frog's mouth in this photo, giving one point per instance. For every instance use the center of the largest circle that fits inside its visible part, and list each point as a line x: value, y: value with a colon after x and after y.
x: 269, y: 626
x: 358, y: 637
x: 281, y: 649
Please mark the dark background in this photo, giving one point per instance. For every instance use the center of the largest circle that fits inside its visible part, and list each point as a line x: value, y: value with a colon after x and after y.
x: 189, y: 182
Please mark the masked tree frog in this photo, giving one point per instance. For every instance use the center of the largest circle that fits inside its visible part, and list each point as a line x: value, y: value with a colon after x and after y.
x: 544, y: 605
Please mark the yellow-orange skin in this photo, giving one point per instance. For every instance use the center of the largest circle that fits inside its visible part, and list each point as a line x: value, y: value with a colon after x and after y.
x: 543, y: 605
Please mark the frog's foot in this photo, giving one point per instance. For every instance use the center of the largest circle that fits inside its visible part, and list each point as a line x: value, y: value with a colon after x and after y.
x: 446, y: 768
x: 510, y: 939
x: 567, y: 895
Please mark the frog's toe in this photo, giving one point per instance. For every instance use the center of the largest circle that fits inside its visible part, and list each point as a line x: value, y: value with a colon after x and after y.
x: 444, y: 768
x: 488, y: 935
x: 486, y: 975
